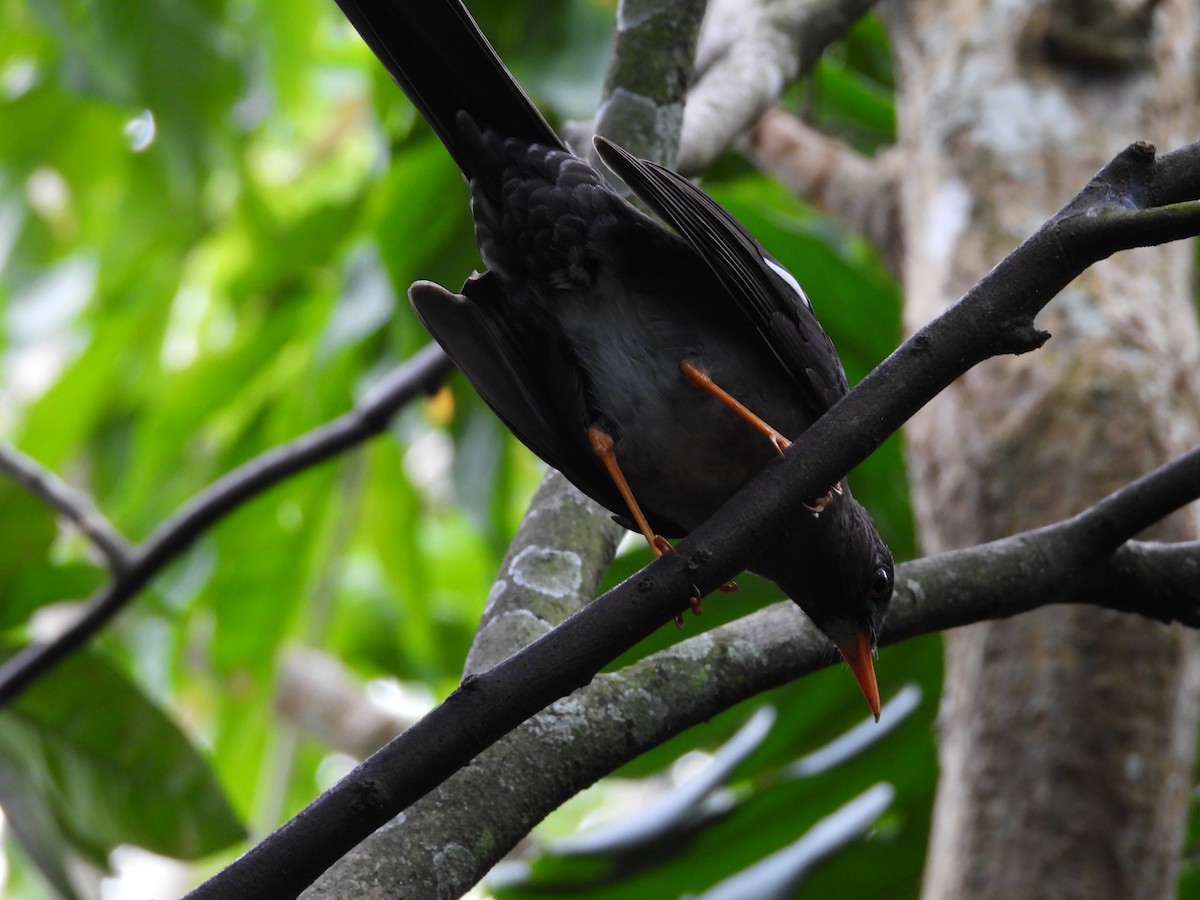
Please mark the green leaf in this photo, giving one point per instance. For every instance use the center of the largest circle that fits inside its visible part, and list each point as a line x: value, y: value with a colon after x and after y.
x: 846, y: 101
x: 27, y: 529
x: 38, y: 584
x: 169, y: 57
x: 31, y: 822
x: 107, y: 767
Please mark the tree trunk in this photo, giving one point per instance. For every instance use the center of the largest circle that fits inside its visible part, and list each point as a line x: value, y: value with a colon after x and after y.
x: 1066, y: 736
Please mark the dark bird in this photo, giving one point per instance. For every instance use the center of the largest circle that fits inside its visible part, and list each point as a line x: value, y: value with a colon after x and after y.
x: 643, y: 362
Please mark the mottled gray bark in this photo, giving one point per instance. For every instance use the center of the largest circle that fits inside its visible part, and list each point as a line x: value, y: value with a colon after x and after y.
x: 1067, y: 735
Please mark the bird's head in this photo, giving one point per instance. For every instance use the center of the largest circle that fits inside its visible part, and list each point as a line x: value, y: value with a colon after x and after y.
x: 837, y: 568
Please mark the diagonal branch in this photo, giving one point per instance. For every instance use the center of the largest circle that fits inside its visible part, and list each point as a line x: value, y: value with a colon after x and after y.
x: 73, y: 505
x: 563, y: 749
x: 419, y: 375
x: 994, y: 317
x: 750, y: 50
x: 1089, y: 558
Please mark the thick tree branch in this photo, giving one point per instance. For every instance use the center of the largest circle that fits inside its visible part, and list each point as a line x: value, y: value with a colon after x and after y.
x: 750, y: 50
x: 994, y: 317
x: 419, y: 375
x: 648, y: 75
x: 552, y: 568
x: 74, y: 506
x: 566, y: 747
x: 493, y: 803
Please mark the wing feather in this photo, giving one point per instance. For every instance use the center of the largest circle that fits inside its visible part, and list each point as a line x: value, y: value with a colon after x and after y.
x: 480, y: 345
x: 770, y: 298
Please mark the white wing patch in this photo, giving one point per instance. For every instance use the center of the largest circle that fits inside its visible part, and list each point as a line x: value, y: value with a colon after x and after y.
x: 790, y: 279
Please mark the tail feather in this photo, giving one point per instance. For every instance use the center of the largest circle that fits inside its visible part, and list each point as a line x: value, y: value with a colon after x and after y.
x: 440, y: 58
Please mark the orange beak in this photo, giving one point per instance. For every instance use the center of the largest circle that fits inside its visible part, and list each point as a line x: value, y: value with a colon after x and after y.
x: 858, y: 658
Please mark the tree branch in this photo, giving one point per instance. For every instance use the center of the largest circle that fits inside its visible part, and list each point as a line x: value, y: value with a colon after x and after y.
x: 420, y: 374
x: 648, y: 74
x: 73, y: 505
x: 750, y: 50
x: 860, y: 192
x: 552, y: 568
x: 1085, y: 559
x: 568, y: 746
x: 994, y: 317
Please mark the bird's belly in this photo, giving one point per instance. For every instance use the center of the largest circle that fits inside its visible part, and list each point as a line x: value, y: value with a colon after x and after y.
x: 683, y: 451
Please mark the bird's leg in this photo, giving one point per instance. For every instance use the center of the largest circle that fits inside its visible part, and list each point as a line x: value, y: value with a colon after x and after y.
x: 701, y: 379
x: 602, y: 446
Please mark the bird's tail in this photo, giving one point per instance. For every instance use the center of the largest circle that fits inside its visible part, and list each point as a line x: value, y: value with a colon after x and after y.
x: 440, y: 58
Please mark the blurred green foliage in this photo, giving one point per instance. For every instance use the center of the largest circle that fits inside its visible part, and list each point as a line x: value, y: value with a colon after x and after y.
x: 209, y: 213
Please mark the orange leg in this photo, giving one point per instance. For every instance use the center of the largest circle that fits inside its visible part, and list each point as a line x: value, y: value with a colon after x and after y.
x: 602, y: 446
x: 700, y: 379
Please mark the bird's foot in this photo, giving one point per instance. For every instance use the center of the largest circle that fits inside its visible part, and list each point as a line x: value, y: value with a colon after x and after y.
x: 660, y: 545
x: 818, y: 506
x: 694, y: 605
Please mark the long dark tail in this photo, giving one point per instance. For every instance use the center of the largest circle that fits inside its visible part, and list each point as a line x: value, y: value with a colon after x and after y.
x: 437, y: 54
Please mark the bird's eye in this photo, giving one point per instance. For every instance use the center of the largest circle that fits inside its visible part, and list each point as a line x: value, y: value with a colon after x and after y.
x: 881, y: 584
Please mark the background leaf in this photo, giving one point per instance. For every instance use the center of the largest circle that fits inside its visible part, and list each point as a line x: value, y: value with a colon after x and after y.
x: 101, y: 765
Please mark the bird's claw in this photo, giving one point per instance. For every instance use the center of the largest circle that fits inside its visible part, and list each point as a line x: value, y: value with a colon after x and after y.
x: 661, y: 545
x: 694, y: 604
x: 819, y: 505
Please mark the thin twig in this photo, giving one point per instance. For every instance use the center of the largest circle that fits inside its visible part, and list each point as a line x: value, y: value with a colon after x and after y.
x: 1140, y: 504
x: 73, y: 505
x: 420, y: 374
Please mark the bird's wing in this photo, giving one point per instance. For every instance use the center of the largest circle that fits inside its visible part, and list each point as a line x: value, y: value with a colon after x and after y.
x: 523, y: 399
x: 762, y: 288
